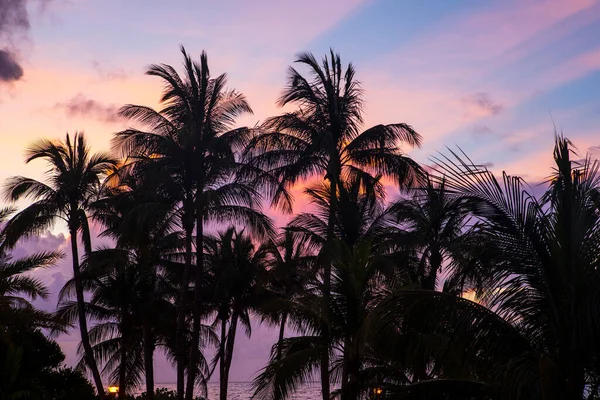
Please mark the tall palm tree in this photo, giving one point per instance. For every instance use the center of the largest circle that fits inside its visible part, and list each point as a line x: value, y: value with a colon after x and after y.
x: 532, y: 332
x: 148, y: 242
x: 322, y: 138
x: 73, y: 180
x: 238, y: 273
x: 192, y: 140
x: 362, y: 263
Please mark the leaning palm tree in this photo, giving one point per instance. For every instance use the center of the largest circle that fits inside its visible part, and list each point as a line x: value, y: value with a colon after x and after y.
x: 323, y: 139
x: 191, y: 141
x: 73, y: 180
x: 532, y: 332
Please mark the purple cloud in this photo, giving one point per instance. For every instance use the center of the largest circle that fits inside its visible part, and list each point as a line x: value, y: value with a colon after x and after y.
x: 109, y: 74
x: 483, y: 103
x: 14, y: 23
x: 82, y: 106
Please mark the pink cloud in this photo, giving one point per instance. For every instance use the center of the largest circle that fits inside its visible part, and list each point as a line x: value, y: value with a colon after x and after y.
x: 450, y: 80
x: 513, y: 22
x: 570, y: 69
x: 264, y: 21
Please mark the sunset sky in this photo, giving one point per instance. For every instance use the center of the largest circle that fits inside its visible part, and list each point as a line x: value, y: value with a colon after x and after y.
x: 492, y: 77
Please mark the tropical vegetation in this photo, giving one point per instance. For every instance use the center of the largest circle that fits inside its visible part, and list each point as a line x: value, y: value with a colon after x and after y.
x: 456, y: 283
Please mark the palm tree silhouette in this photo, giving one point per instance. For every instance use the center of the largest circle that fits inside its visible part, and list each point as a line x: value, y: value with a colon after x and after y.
x: 237, y: 268
x: 148, y: 244
x: 362, y: 231
x: 17, y: 287
x: 532, y: 332
x: 74, y: 179
x: 290, y: 265
x: 322, y: 138
x: 192, y: 141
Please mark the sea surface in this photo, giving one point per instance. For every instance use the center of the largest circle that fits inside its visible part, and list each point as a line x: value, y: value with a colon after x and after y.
x: 243, y: 391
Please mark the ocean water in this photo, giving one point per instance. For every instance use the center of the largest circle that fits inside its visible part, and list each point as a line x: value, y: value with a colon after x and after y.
x: 243, y: 391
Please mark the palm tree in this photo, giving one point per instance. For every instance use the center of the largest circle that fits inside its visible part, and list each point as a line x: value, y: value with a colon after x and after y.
x: 428, y: 236
x: 237, y: 269
x: 322, y: 138
x: 74, y: 178
x: 148, y: 245
x: 17, y: 287
x: 14, y: 284
x: 192, y: 141
x: 290, y: 264
x: 114, y: 283
x: 359, y: 283
x: 363, y: 271
x: 360, y: 215
x: 435, y: 227
x: 532, y: 332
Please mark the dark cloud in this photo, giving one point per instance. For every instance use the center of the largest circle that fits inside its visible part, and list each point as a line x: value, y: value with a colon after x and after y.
x: 483, y: 102
x: 81, y: 106
x: 14, y: 26
x: 14, y: 20
x: 10, y: 70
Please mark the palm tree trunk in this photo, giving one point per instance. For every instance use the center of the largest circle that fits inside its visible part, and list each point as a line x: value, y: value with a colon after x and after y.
x: 180, y: 342
x: 428, y: 283
x: 281, y: 334
x: 350, y: 369
x: 435, y: 263
x: 199, y: 273
x: 277, y: 395
x: 228, y: 356
x: 353, y: 374
x: 222, y: 392
x: 326, y: 257
x: 83, y: 330
x: 123, y: 357
x: 148, y: 359
x: 346, y: 369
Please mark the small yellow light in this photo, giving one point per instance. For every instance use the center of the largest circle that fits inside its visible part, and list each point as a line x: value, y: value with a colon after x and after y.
x: 378, y: 390
x: 113, y: 389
